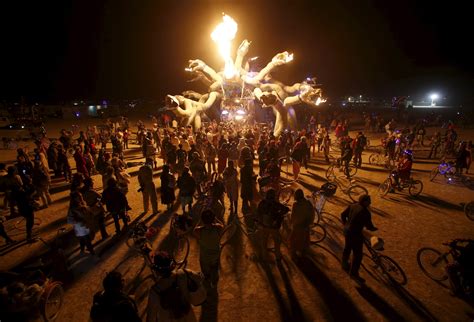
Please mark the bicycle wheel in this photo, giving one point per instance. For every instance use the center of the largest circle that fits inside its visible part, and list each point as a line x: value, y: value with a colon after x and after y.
x: 416, y: 187
x: 317, y: 234
x: 432, y: 263
x: 330, y: 173
x: 373, y: 159
x: 227, y: 234
x: 285, y: 195
x: 393, y: 270
x: 181, y: 250
x: 469, y: 210
x: 450, y: 173
x: 21, y: 224
x: 384, y: 188
x: 356, y: 191
x: 53, y: 301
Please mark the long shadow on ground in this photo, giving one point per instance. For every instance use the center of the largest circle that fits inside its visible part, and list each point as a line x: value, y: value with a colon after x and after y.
x: 340, y: 307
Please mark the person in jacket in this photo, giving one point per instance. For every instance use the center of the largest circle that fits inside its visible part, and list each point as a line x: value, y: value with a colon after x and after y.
x: 355, y: 218
x: 147, y: 186
x: 116, y: 204
x: 187, y: 187
x: 301, y: 220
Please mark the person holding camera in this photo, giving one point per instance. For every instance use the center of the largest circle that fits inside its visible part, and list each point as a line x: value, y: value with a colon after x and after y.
x: 147, y: 186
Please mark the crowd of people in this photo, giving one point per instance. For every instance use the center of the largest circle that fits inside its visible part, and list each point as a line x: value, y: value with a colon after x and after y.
x: 190, y: 157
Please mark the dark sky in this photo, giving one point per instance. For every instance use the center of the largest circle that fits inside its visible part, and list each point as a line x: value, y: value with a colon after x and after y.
x: 54, y: 50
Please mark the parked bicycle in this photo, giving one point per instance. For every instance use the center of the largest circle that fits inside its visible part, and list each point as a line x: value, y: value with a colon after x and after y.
x: 352, y: 189
x: 283, y: 188
x: 387, y: 265
x: 433, y: 263
x: 415, y: 187
x: 445, y: 168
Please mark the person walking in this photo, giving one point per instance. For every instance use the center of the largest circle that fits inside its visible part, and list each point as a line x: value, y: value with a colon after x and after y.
x: 116, y: 203
x: 302, y: 217
x: 355, y: 218
x: 147, y: 186
x: 41, y: 182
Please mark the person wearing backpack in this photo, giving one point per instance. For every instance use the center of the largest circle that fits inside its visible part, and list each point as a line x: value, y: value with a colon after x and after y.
x: 171, y: 297
x: 112, y: 304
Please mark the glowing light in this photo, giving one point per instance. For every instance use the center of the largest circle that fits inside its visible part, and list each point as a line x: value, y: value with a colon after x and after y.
x: 241, y: 112
x: 433, y: 97
x: 223, y: 35
x: 239, y: 117
x: 188, y: 69
x: 322, y: 100
x: 225, y: 112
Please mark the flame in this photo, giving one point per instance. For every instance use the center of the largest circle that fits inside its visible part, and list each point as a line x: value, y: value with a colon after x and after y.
x: 289, y: 58
x: 223, y: 35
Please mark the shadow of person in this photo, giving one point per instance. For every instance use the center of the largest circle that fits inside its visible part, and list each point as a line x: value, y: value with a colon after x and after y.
x: 334, y: 297
x: 379, y: 303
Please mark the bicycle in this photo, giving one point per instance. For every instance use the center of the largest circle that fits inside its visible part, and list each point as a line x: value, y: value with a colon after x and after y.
x: 387, y: 265
x: 349, y: 172
x: 415, y: 187
x: 448, y: 169
x: 353, y: 190
x: 283, y: 188
x: 433, y: 263
x: 381, y: 160
x: 469, y: 210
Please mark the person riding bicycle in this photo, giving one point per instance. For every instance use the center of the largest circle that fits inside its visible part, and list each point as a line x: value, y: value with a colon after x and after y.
x: 270, y: 217
x: 404, y: 166
x: 463, y: 266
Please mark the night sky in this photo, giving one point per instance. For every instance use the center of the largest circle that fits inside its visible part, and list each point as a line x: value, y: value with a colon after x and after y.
x: 61, y: 50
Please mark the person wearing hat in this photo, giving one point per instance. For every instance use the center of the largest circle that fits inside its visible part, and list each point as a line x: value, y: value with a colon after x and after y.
x: 355, y: 218
x: 147, y: 186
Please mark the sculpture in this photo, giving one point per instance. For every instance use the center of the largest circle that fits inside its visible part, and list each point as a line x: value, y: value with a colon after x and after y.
x: 237, y: 87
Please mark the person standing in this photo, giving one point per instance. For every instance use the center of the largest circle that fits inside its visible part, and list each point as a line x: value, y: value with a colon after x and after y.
x: 24, y: 198
x: 81, y: 166
x: 113, y: 304
x: 355, y: 218
x: 147, y: 186
x: 116, y: 204
x: 210, y: 154
x: 359, y: 146
x: 302, y: 217
x: 247, y: 178
x: 92, y: 200
x: 168, y: 183
x: 231, y: 184
x: 187, y: 186
x: 208, y: 236
x: 271, y: 214
x: 41, y: 181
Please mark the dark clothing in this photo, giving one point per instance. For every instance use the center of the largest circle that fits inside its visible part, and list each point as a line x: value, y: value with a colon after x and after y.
x: 271, y: 213
x: 247, y: 180
x: 167, y: 192
x: 186, y: 185
x: 114, y: 307
x: 24, y: 199
x: 117, y: 205
x: 355, y: 218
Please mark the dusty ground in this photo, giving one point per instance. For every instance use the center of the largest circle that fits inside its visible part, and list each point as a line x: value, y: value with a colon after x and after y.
x: 312, y: 289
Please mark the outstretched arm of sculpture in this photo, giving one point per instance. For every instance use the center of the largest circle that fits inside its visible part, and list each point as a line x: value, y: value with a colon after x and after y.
x: 274, y: 87
x: 199, y: 65
x: 200, y: 76
x: 278, y: 60
x: 193, y: 109
x: 241, y: 52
